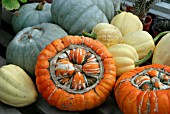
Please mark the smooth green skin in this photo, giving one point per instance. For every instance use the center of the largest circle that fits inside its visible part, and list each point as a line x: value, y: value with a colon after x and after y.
x: 23, y: 49
x: 78, y: 15
x: 28, y: 16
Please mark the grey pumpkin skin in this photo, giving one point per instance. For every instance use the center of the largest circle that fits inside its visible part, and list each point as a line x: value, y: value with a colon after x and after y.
x: 27, y: 44
x: 78, y: 15
x: 29, y: 15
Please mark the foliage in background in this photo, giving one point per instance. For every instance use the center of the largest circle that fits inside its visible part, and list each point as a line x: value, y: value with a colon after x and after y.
x: 12, y: 4
x: 141, y: 8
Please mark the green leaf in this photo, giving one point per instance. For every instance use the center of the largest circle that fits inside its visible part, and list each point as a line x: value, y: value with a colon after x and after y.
x: 23, y: 1
x: 10, y: 4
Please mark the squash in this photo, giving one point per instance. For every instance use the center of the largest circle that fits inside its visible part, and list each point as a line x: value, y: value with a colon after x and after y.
x: 127, y: 22
x: 31, y: 14
x: 105, y: 33
x: 78, y: 15
x: 27, y: 44
x: 142, y: 41
x: 126, y: 58
x: 144, y: 90
x: 161, y: 53
x: 16, y: 87
x: 75, y: 73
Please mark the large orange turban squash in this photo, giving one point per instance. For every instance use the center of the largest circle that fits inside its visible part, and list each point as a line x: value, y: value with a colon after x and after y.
x: 75, y: 73
x: 144, y: 90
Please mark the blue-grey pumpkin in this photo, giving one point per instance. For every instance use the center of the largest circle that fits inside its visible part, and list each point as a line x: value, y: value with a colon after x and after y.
x: 31, y: 14
x: 78, y: 15
x: 27, y: 44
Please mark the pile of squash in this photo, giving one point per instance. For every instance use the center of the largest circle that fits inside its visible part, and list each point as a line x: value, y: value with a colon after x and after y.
x: 80, y: 52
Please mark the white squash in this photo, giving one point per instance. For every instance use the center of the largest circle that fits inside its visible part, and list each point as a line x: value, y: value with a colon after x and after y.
x: 127, y: 22
x: 161, y: 54
x: 142, y: 41
x: 125, y: 57
x: 16, y: 87
x: 107, y: 34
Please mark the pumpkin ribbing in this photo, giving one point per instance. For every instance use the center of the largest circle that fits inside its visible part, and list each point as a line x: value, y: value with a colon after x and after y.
x: 30, y: 15
x: 28, y: 43
x: 76, y: 16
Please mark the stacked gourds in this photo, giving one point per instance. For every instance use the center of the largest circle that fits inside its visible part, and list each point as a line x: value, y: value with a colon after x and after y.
x: 75, y: 72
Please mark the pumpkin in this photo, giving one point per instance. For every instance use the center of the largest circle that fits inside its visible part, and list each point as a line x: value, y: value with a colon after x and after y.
x: 106, y: 33
x: 142, y: 41
x: 127, y: 22
x: 75, y: 73
x: 31, y: 14
x: 16, y: 87
x: 144, y: 90
x: 161, y: 53
x: 27, y: 44
x: 126, y: 58
x: 78, y: 15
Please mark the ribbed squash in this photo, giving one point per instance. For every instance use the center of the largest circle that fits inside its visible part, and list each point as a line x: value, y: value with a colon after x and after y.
x: 16, y: 87
x: 76, y: 73
x: 144, y: 90
x: 125, y: 57
x: 27, y: 44
x: 161, y: 54
x: 78, y: 15
x: 107, y: 34
x: 142, y: 41
x: 127, y: 22
x: 31, y: 14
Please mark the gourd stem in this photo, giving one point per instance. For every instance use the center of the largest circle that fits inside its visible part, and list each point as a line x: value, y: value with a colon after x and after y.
x: 160, y: 35
x: 141, y: 61
x: 29, y: 36
x: 92, y: 35
x: 40, y: 6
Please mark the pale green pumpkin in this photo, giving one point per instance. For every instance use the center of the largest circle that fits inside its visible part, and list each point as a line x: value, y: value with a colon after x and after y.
x: 78, y: 15
x: 31, y: 14
x: 27, y: 44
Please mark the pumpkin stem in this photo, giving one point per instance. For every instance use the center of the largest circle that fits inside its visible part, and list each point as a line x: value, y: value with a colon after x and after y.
x: 16, y: 13
x: 141, y: 61
x: 92, y: 35
x: 160, y: 35
x: 29, y: 36
x: 40, y: 6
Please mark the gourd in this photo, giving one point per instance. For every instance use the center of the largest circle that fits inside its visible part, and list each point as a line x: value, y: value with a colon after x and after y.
x: 144, y: 90
x: 106, y: 33
x: 161, y: 53
x: 31, y: 14
x: 78, y: 15
x: 17, y: 88
x: 142, y: 41
x: 75, y: 73
x: 27, y: 44
x: 127, y: 22
x: 126, y: 58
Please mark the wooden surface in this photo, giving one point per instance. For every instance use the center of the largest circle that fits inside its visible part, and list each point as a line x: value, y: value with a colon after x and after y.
x: 5, y: 109
x: 41, y: 106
